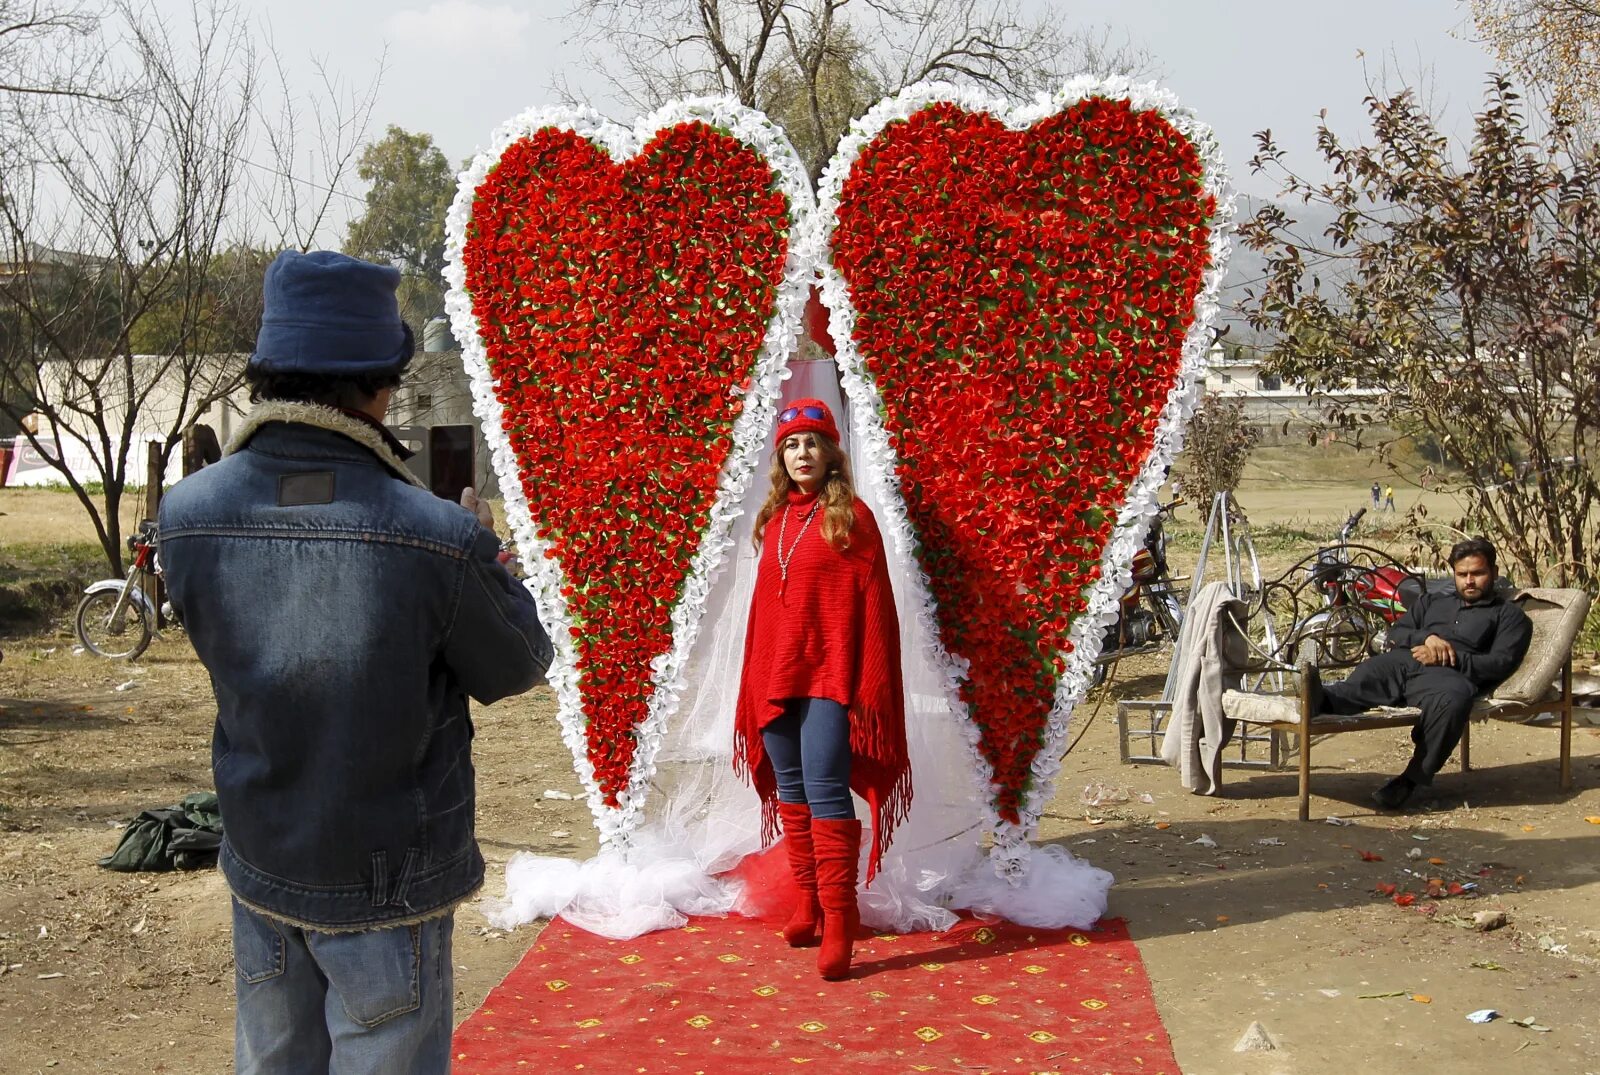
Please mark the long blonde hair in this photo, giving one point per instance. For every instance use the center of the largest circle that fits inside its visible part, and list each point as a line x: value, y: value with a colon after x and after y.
x: 838, y: 495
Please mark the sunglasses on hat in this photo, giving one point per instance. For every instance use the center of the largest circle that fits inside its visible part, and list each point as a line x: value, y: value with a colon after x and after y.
x: 791, y: 413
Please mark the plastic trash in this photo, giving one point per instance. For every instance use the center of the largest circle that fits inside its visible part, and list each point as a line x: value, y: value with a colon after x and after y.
x: 1102, y: 795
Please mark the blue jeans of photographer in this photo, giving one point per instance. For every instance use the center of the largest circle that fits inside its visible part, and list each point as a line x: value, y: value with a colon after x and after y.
x: 356, y: 1002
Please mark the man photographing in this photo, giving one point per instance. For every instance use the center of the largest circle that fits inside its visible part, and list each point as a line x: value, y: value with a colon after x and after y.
x: 1445, y: 651
x: 345, y: 614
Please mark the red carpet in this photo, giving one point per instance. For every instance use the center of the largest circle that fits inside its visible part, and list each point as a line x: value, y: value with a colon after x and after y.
x: 726, y: 996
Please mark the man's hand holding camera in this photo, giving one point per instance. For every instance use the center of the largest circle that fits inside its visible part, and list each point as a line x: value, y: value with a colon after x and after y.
x: 480, y: 508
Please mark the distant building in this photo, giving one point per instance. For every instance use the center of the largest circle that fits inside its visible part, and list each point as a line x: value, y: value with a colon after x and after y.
x: 431, y: 412
x: 44, y: 262
x: 1270, y: 402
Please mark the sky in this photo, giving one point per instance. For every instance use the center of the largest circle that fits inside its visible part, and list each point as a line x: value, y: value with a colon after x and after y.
x: 458, y: 68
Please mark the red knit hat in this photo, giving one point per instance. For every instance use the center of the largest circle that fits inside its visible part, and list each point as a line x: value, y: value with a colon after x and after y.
x: 806, y: 416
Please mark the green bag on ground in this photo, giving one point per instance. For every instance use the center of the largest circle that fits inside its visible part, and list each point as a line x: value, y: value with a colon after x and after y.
x: 183, y: 836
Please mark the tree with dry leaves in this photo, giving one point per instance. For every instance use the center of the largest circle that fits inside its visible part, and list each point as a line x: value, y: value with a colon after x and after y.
x: 814, y: 65
x: 1554, y: 44
x: 1465, y: 286
x: 1216, y: 447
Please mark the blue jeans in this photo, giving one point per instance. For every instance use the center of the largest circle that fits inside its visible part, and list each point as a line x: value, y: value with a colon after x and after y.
x: 810, y: 751
x: 359, y: 1003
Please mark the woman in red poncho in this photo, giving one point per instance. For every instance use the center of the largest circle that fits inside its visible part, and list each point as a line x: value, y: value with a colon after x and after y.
x: 821, y: 706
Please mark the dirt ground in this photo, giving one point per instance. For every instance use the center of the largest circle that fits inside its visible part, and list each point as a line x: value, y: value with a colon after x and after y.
x: 1277, y: 923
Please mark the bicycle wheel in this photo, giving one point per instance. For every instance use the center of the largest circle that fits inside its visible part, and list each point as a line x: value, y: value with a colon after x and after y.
x: 1244, y: 567
x: 99, y: 633
x: 1339, y: 636
x: 1261, y: 629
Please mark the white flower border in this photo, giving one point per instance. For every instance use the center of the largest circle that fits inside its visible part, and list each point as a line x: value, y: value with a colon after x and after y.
x: 877, y: 464
x: 749, y: 432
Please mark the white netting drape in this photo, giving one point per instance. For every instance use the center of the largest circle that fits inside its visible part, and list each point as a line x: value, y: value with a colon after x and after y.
x: 701, y: 819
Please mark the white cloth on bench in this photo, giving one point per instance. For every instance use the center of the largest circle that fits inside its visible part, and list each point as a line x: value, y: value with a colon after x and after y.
x: 1210, y: 652
x: 1252, y: 708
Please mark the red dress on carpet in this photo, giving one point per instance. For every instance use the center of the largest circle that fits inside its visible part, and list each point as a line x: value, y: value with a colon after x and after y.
x: 829, y: 631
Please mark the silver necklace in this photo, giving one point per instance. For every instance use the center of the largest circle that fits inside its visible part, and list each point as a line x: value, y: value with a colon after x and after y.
x: 783, y: 530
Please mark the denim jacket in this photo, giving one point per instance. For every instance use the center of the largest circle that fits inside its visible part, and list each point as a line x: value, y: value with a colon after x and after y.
x: 344, y: 614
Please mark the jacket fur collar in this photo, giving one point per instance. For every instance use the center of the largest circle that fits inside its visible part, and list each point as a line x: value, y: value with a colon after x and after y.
x: 312, y: 414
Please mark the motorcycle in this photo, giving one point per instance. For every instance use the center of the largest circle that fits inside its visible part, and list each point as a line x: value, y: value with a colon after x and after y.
x: 1362, y: 593
x: 1150, y: 613
x: 117, y: 618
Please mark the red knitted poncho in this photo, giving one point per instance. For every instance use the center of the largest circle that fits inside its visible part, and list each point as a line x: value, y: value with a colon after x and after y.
x: 830, y: 632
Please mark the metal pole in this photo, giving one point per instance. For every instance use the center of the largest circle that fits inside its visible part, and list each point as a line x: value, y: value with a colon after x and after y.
x: 153, y: 473
x: 1229, y: 568
x: 1205, y: 550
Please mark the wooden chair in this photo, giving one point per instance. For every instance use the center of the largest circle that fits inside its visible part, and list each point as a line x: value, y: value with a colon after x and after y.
x: 1541, y: 684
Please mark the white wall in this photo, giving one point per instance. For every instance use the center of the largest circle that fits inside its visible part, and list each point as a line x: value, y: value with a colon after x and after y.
x: 158, y: 412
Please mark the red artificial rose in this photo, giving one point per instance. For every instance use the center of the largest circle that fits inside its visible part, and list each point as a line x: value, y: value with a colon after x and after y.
x: 619, y: 304
x: 1021, y: 300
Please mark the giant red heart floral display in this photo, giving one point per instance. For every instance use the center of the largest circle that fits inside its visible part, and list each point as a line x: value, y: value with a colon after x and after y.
x: 1018, y: 296
x: 625, y: 300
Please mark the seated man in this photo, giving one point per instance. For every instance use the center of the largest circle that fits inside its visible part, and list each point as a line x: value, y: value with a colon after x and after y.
x: 1446, y: 650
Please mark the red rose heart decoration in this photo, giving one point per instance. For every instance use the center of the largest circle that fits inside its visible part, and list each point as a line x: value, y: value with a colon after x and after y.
x: 1018, y: 305
x: 625, y: 299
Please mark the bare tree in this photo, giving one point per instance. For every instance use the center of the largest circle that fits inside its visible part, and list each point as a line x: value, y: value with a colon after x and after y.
x: 46, y: 50
x: 120, y: 218
x: 128, y: 287
x: 814, y: 65
x: 313, y: 142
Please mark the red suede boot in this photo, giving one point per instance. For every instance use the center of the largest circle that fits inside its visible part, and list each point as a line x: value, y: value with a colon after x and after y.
x: 838, y: 849
x: 801, y: 932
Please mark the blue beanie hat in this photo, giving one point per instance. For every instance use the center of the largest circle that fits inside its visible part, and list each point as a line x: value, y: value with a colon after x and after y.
x: 327, y: 313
